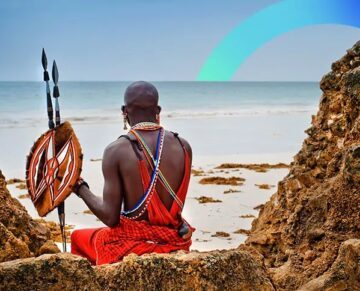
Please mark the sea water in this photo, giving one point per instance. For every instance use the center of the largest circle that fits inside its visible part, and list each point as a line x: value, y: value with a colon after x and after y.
x: 23, y: 103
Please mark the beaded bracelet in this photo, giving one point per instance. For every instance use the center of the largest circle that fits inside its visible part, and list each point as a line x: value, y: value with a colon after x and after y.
x: 77, y: 186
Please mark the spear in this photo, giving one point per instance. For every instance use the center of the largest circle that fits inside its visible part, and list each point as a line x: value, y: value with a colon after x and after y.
x: 56, y: 95
x: 56, y: 92
x: 50, y: 110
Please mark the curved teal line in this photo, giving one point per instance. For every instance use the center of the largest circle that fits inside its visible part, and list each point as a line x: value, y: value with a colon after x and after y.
x: 272, y: 22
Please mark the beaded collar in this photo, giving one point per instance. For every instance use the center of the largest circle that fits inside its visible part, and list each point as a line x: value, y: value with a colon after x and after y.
x: 146, y: 126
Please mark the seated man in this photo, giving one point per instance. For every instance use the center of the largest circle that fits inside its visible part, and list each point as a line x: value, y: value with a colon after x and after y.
x: 146, y: 174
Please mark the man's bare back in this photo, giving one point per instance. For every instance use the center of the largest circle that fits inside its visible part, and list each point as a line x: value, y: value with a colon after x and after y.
x: 122, y: 179
x: 120, y: 157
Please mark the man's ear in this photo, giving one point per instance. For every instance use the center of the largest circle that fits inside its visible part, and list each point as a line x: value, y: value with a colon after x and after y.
x: 123, y: 109
x: 158, y: 109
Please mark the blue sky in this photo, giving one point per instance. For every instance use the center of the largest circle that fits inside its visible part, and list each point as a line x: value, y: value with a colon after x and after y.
x: 153, y: 40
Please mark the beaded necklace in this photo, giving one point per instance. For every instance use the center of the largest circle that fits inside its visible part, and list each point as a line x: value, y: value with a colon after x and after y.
x: 146, y: 126
x: 150, y: 158
x: 145, y: 200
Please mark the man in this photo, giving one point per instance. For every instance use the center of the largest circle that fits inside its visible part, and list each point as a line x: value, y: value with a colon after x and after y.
x: 146, y: 174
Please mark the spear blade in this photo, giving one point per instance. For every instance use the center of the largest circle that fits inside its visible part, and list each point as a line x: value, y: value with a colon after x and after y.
x: 44, y: 64
x: 46, y: 78
x: 44, y: 59
x: 55, y: 77
x: 55, y: 73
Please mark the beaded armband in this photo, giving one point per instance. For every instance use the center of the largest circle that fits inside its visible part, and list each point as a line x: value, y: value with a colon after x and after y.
x: 81, y: 182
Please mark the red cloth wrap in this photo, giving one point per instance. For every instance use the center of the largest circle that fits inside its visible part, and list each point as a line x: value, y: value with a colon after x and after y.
x: 158, y: 235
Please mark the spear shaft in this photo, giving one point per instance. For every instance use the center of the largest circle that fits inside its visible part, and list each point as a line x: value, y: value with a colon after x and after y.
x: 50, y: 111
x: 56, y: 95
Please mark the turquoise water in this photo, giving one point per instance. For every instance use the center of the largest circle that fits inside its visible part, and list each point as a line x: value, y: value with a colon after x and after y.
x: 24, y: 103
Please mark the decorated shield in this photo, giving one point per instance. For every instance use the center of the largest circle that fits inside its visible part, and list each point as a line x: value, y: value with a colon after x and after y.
x: 53, y: 166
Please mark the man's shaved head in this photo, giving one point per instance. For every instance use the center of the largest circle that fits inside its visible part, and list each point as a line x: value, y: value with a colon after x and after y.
x: 142, y: 95
x: 141, y: 103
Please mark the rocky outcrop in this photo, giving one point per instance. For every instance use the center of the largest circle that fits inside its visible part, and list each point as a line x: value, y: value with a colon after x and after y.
x: 48, y: 272
x: 231, y: 270
x: 20, y: 235
x: 317, y: 206
x: 217, y: 270
x: 344, y: 273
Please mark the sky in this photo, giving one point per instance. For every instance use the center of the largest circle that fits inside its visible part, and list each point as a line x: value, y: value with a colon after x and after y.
x: 154, y: 40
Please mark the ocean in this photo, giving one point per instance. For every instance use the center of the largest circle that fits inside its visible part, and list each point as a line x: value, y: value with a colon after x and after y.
x: 217, y: 118
x: 24, y: 103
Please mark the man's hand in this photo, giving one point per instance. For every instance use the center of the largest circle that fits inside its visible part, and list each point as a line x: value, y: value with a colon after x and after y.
x: 79, y: 183
x: 185, y: 231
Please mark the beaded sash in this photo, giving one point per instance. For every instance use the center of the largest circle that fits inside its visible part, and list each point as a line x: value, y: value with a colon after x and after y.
x: 144, y: 201
x: 152, y: 162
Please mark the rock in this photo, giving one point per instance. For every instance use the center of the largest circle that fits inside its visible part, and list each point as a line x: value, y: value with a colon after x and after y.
x: 218, y: 270
x: 344, y: 273
x: 49, y: 248
x: 226, y: 270
x: 55, y: 231
x: 352, y: 164
x: 20, y: 235
x: 11, y: 248
x: 317, y: 206
x: 55, y: 272
x: 242, y: 231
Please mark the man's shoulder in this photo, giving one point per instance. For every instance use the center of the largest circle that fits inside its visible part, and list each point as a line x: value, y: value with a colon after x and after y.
x: 118, y: 147
x: 182, y: 140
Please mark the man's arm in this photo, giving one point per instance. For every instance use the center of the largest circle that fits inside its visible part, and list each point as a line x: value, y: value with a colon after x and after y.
x: 108, y: 208
x: 187, y: 147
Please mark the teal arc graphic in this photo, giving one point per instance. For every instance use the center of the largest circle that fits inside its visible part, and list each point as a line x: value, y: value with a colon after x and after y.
x: 269, y: 23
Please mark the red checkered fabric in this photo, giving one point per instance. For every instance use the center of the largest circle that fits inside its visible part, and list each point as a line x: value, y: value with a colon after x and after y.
x: 138, y: 237
x: 158, y: 235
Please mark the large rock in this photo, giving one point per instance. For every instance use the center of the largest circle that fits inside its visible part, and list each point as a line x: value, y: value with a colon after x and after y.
x: 226, y: 270
x: 231, y: 270
x: 20, y: 235
x: 48, y: 272
x: 317, y: 206
x: 344, y: 273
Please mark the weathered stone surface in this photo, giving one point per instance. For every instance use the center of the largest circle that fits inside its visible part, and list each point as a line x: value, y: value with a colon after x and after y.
x: 230, y: 270
x: 11, y: 248
x: 48, y: 272
x: 20, y: 235
x: 317, y: 206
x: 344, y: 273
x: 218, y: 270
